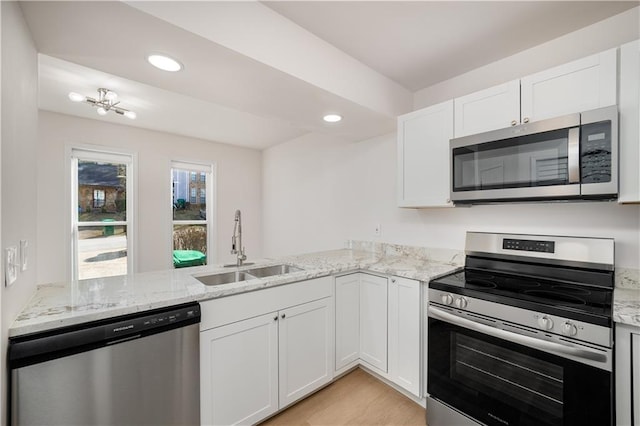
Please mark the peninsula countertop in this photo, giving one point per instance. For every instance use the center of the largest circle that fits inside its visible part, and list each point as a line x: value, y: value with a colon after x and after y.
x: 69, y: 303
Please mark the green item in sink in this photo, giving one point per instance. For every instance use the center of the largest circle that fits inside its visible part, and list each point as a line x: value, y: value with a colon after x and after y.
x: 184, y: 258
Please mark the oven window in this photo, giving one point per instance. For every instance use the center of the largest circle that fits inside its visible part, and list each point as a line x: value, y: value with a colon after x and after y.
x: 502, y: 373
x: 526, y: 161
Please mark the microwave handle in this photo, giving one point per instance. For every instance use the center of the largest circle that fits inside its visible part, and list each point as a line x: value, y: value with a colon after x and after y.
x: 573, y: 155
x: 532, y: 342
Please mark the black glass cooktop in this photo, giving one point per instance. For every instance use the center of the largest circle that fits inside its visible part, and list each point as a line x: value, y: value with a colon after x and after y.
x: 570, y: 300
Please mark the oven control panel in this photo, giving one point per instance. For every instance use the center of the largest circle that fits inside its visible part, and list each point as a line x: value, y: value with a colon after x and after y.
x: 529, y: 245
x: 546, y: 323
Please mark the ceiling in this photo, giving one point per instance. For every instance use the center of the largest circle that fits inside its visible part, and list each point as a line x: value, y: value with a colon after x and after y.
x: 258, y: 74
x: 420, y: 43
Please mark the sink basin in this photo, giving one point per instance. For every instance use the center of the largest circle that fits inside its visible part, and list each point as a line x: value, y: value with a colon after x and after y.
x: 249, y: 274
x: 269, y: 271
x: 224, y: 278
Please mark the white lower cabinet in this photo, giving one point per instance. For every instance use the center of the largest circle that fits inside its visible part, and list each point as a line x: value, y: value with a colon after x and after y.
x: 239, y: 371
x: 378, y: 324
x: 306, y: 348
x: 256, y: 360
x: 404, y: 333
x: 347, y: 320
x: 627, y: 345
x: 373, y: 321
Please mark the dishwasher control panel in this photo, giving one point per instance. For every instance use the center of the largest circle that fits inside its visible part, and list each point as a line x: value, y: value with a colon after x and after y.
x: 154, y: 320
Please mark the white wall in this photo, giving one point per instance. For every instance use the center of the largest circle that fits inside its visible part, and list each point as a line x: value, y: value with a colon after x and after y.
x: 19, y: 140
x: 238, y: 187
x: 307, y: 203
x: 354, y: 188
x: 603, y: 35
x: 345, y: 189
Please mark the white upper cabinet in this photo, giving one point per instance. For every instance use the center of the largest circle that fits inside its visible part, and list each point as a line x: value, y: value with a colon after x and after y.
x: 494, y: 108
x: 581, y: 85
x: 423, y: 156
x: 629, y: 121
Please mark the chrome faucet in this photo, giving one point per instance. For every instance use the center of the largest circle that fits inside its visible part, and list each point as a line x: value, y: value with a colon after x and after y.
x: 236, y: 240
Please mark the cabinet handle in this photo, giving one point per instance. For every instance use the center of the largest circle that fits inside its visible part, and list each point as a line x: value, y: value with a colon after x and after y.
x: 283, y: 315
x: 514, y: 122
x: 525, y: 120
x: 275, y: 318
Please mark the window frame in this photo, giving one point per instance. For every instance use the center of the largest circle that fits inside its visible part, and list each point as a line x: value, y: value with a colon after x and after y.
x: 75, y: 153
x: 209, y: 169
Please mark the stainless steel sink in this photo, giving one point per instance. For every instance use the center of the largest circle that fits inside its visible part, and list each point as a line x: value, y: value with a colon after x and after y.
x: 269, y: 271
x: 224, y: 278
x: 248, y: 274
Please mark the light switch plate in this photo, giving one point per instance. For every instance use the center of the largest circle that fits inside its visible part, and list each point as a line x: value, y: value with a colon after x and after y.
x: 10, y: 265
x: 23, y: 255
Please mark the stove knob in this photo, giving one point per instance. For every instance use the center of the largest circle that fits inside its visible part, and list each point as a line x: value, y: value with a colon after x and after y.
x: 545, y: 323
x: 447, y: 299
x: 569, y: 329
x: 461, y: 302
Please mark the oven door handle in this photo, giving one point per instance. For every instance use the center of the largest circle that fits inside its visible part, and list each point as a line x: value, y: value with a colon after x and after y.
x: 532, y: 342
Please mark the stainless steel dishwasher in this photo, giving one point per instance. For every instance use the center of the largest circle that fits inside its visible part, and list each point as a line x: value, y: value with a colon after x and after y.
x: 139, y: 369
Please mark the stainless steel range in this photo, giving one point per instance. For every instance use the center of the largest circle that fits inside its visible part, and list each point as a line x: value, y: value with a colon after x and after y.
x: 523, y: 336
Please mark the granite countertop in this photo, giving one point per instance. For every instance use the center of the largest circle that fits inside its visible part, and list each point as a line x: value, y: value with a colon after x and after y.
x: 626, y: 297
x: 63, y: 304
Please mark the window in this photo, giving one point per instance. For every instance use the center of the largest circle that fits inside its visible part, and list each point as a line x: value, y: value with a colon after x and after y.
x: 101, y: 213
x: 191, y: 221
x: 98, y: 198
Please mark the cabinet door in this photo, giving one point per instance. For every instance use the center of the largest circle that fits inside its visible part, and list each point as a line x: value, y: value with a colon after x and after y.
x: 404, y: 333
x: 239, y: 372
x: 581, y: 85
x: 494, y: 108
x: 306, y: 349
x: 347, y: 320
x: 627, y: 349
x: 423, y: 157
x: 629, y: 121
x: 373, y: 321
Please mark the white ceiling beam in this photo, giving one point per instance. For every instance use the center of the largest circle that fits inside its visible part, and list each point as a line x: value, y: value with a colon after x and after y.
x: 254, y: 30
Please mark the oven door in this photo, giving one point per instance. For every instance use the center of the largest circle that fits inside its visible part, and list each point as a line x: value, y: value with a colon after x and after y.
x: 527, y: 162
x: 498, y: 382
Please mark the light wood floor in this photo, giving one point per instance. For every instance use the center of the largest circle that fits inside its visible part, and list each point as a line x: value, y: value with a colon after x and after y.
x: 355, y: 399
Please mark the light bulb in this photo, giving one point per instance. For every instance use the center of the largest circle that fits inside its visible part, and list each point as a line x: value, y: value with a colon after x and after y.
x: 165, y: 63
x: 332, y: 118
x: 130, y: 114
x: 76, y: 97
x: 101, y: 111
x: 111, y: 96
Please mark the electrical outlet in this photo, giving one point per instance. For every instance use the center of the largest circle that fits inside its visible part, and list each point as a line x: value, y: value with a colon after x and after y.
x: 10, y: 265
x: 377, y: 231
x: 23, y: 255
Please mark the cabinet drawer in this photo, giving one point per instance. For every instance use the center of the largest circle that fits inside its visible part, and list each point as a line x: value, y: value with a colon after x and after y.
x: 226, y: 310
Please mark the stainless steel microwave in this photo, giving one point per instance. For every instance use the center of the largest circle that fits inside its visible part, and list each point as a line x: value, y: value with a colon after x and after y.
x: 565, y: 158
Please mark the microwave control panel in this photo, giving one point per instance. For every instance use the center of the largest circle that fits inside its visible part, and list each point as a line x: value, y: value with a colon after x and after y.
x: 595, y: 155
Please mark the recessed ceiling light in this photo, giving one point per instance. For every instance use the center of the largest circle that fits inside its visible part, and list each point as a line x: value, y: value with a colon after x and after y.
x: 76, y: 97
x: 165, y: 63
x: 332, y: 118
